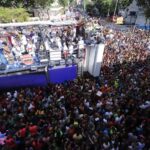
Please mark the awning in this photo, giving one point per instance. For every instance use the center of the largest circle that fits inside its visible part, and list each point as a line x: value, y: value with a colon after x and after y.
x: 57, y: 23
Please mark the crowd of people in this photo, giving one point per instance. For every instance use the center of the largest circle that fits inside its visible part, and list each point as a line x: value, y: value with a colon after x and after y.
x: 110, y: 112
x: 16, y: 42
x: 19, y: 42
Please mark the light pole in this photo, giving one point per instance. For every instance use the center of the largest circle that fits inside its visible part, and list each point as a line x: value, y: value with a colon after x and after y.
x: 84, y: 4
x: 68, y: 3
x: 116, y: 7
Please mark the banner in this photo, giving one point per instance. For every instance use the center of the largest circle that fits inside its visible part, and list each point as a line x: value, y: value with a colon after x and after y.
x: 27, y: 59
x: 119, y: 20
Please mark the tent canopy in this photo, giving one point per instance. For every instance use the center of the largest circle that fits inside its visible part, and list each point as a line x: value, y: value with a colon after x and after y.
x: 59, y: 23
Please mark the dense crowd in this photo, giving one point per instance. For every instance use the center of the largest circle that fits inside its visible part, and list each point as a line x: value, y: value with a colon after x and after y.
x: 110, y: 112
x: 16, y: 42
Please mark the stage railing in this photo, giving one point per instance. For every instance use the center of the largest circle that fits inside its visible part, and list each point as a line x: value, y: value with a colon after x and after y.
x: 44, y: 58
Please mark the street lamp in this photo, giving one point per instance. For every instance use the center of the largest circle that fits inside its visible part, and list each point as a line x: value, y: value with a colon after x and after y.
x: 117, y: 1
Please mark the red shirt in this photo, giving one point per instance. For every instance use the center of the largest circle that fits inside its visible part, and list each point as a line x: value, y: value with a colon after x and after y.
x: 22, y: 132
x: 10, y: 142
x: 37, y: 145
x: 33, y: 129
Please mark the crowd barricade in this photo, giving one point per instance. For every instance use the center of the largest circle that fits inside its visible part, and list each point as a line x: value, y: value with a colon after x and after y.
x: 143, y: 27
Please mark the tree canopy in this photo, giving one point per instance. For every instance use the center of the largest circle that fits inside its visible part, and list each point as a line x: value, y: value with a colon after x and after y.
x: 64, y: 3
x: 124, y: 3
x: 25, y: 3
x: 13, y: 14
x: 108, y: 6
x: 11, y: 3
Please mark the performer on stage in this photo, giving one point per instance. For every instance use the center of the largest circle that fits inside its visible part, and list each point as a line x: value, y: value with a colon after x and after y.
x: 8, y: 54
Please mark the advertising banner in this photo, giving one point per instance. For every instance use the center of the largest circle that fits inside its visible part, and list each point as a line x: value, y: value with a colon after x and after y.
x: 27, y: 59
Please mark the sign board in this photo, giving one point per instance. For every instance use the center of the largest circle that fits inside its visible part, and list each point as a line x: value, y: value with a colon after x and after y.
x: 27, y: 59
x: 119, y: 20
x: 55, y: 55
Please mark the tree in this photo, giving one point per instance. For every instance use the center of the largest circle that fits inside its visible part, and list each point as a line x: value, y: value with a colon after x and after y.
x: 107, y: 4
x: 107, y: 7
x: 11, y: 3
x: 124, y: 3
x: 13, y: 14
x: 25, y: 3
x: 41, y: 3
x: 64, y: 3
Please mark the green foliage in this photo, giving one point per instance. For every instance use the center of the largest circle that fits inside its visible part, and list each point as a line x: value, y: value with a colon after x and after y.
x: 42, y: 3
x: 25, y: 3
x: 11, y: 3
x: 13, y: 14
x: 108, y: 6
x: 124, y: 3
x: 107, y: 2
x: 105, y: 6
x: 64, y: 3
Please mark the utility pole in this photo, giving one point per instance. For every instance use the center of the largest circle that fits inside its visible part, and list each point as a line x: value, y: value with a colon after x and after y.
x: 68, y: 3
x: 117, y: 1
x: 84, y: 5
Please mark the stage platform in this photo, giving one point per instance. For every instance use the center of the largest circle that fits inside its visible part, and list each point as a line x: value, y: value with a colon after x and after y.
x: 62, y: 74
x: 38, y: 78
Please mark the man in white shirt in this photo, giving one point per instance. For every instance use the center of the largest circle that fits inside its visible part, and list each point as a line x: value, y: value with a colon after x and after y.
x: 24, y: 41
x: 17, y: 51
x: 1, y: 43
x: 58, y: 41
x: 71, y: 48
x: 81, y: 43
x: 31, y: 48
x: 35, y: 38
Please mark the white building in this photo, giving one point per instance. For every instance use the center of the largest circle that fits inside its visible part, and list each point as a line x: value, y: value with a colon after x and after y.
x: 134, y: 14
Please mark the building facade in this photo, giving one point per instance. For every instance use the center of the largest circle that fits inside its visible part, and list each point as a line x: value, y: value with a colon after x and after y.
x: 134, y: 14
